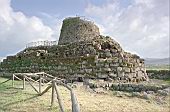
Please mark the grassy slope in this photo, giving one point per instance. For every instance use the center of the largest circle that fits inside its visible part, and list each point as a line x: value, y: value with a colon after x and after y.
x: 158, y: 67
x: 18, y: 100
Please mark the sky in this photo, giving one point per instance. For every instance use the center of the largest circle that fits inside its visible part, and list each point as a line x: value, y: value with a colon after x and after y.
x: 140, y: 26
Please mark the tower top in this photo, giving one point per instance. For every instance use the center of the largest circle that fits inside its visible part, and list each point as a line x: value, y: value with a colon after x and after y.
x: 77, y: 29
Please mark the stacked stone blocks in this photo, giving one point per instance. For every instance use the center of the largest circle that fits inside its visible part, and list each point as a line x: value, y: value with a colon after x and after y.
x: 81, y: 52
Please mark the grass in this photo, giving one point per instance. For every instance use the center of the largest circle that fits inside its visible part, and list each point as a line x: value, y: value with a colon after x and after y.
x: 167, y: 80
x: 18, y: 100
x: 158, y: 67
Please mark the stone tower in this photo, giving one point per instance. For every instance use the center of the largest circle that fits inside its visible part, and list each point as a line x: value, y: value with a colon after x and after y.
x: 82, y: 52
x: 75, y: 29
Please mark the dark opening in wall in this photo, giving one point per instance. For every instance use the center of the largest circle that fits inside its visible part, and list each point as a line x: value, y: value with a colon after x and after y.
x: 141, y: 61
x: 106, y: 45
x: 90, y: 30
x: 66, y: 54
x: 114, y: 48
x: 80, y: 79
x: 41, y: 54
x: 42, y: 57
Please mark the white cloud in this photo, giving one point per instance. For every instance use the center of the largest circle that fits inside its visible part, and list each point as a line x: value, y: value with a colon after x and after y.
x: 54, y: 21
x: 142, y: 27
x: 16, y: 29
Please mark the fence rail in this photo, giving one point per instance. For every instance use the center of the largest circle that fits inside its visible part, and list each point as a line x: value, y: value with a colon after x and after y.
x: 41, y: 43
x: 43, y: 78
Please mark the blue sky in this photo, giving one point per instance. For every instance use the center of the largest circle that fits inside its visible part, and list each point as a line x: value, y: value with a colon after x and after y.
x: 62, y: 8
x: 140, y: 26
x: 59, y: 7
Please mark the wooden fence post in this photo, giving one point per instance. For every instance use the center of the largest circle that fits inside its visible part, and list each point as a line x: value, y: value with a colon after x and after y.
x: 52, y: 97
x: 13, y: 78
x: 75, y: 105
x: 24, y: 82
x: 43, y: 79
x: 40, y: 83
x: 59, y: 98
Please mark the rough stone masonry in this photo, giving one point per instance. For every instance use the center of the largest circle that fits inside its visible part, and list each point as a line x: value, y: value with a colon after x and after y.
x: 81, y: 53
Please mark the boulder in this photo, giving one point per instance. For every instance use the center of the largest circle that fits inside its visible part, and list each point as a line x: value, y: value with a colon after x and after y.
x: 163, y: 92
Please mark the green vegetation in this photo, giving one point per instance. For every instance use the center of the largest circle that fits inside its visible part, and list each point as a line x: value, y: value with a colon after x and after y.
x: 17, y: 100
x: 167, y: 80
x: 158, y: 67
x: 159, y: 70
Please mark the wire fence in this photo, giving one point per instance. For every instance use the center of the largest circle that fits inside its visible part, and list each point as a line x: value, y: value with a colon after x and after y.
x: 41, y: 43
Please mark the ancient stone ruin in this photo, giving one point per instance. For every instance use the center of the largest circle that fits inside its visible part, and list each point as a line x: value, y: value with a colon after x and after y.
x: 81, y: 53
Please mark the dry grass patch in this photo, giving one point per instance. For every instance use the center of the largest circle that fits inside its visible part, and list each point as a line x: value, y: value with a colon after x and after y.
x: 17, y: 100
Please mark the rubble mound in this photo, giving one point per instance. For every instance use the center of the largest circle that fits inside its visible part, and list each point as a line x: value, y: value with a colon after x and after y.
x: 81, y: 53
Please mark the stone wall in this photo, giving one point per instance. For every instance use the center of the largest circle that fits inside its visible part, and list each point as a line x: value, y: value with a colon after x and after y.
x: 150, y: 86
x: 79, y: 60
x: 79, y: 54
x: 137, y: 87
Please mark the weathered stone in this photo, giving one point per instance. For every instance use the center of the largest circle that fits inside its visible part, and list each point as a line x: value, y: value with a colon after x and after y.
x: 101, y: 76
x: 80, y: 50
x: 99, y: 90
x: 115, y: 86
x: 167, y: 89
x: 129, y: 89
x: 126, y: 69
x: 112, y: 75
x: 163, y: 92
x: 88, y: 70
x: 136, y: 94
x: 109, y: 60
x: 118, y: 93
x: 140, y: 74
x: 150, y: 92
x: 107, y: 69
x: 114, y: 64
x: 107, y: 53
x: 146, y: 96
x: 110, y: 79
x: 119, y: 69
x: 81, y: 34
x: 120, y: 74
